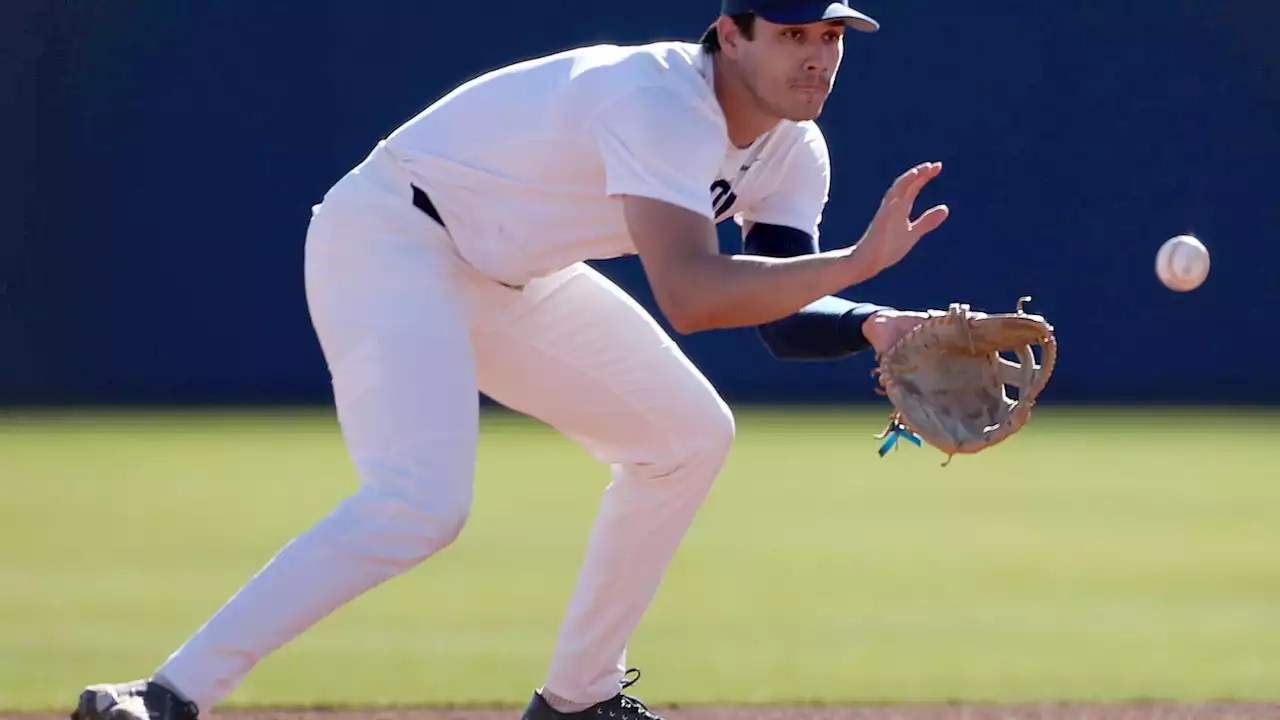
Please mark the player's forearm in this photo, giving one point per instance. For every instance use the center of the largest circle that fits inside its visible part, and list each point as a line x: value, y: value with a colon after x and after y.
x: 830, y: 328
x: 730, y: 291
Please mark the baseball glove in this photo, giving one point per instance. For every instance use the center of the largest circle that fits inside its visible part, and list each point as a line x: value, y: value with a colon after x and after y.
x: 946, y: 378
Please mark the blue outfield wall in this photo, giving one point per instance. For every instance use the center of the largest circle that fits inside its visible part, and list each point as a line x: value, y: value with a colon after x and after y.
x: 161, y: 159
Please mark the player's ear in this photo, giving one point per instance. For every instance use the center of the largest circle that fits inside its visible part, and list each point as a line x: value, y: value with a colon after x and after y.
x: 730, y: 36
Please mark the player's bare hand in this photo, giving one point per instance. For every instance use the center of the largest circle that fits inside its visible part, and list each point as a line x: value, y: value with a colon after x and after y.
x: 885, y: 328
x: 892, y: 233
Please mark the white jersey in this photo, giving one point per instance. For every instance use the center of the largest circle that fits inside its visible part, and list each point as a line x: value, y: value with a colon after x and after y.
x: 525, y: 162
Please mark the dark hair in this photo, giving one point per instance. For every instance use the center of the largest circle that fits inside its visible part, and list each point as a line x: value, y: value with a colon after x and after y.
x: 746, y: 23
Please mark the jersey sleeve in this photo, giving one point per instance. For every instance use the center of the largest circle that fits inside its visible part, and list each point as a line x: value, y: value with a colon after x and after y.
x: 802, y: 189
x: 658, y: 143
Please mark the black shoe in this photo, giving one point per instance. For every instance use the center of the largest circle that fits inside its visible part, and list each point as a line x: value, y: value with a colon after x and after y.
x: 618, y: 707
x: 137, y: 700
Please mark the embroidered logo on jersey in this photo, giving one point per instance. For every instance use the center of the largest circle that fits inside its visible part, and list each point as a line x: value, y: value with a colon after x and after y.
x: 722, y: 196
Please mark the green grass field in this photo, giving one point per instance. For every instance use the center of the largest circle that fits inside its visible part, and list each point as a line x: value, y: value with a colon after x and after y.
x: 1099, y: 555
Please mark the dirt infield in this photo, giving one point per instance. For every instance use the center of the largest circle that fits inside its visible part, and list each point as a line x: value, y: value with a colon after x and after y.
x: 1127, y: 711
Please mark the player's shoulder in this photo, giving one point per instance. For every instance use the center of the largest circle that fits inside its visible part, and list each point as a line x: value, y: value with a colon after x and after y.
x: 653, y: 59
x: 679, y: 67
x: 802, y: 142
x: 807, y: 135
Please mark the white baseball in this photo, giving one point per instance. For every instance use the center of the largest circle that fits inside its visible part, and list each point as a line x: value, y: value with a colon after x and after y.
x: 1182, y: 263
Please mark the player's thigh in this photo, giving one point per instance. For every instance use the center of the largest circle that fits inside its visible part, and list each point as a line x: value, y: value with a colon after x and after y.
x: 581, y: 354
x: 397, y: 345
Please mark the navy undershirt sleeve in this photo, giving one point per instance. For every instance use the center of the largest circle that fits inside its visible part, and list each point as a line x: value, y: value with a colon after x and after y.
x: 829, y: 328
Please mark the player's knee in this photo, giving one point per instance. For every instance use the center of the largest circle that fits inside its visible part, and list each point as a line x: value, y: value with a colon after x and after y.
x: 705, y: 433
x: 429, y: 513
x: 442, y: 515
x: 445, y: 522
x: 404, y: 532
x: 719, y: 429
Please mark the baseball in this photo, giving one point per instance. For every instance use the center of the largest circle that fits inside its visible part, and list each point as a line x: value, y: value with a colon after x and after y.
x: 1182, y: 263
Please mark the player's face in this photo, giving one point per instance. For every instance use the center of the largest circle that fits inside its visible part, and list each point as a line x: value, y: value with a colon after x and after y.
x: 790, y: 69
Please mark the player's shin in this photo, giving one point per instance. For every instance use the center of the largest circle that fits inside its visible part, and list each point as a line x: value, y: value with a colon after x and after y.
x: 367, y: 540
x: 642, y: 520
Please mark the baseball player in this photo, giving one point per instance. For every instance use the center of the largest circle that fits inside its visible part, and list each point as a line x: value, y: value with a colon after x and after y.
x: 451, y: 261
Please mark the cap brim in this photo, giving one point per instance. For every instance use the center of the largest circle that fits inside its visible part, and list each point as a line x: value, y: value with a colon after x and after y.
x: 820, y: 11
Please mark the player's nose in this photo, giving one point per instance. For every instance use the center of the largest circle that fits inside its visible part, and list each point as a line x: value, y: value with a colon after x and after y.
x: 819, y: 67
x: 823, y: 59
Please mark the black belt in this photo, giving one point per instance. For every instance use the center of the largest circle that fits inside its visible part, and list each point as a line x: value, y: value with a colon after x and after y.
x: 423, y: 203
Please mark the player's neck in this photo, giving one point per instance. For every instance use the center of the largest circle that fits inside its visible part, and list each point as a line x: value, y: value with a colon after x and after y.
x: 743, y: 117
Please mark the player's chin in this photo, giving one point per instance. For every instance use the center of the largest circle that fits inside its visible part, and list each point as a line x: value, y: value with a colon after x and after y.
x: 802, y: 111
x: 806, y: 105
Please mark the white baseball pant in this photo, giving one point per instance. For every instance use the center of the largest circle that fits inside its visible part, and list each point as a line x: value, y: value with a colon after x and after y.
x: 411, y: 334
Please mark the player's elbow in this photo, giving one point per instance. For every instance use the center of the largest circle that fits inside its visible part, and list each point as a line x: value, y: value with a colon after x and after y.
x: 698, y: 306
x: 684, y: 324
x: 685, y: 296
x: 688, y: 325
x: 686, y: 311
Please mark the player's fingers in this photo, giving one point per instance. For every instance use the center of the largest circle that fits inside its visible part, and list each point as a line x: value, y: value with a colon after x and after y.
x: 927, y: 172
x: 907, y: 179
x: 892, y: 205
x: 930, y: 220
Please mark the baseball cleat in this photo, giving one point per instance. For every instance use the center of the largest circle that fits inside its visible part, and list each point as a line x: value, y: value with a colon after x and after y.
x: 137, y: 700
x: 618, y: 707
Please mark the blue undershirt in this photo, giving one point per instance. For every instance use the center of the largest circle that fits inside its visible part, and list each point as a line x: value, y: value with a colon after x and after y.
x: 829, y: 328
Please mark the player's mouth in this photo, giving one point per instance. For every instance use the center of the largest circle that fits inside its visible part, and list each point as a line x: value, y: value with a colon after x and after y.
x: 811, y: 86
x: 811, y: 89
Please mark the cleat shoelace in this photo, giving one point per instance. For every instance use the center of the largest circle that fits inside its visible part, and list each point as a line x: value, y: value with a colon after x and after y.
x: 633, y: 708
x: 636, y: 709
